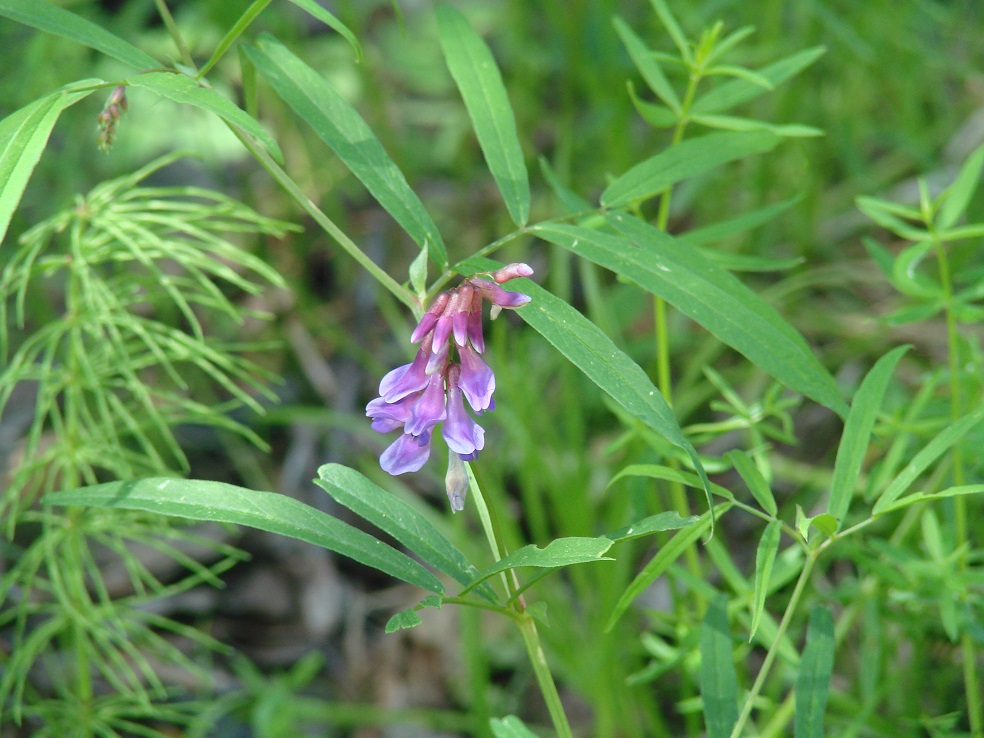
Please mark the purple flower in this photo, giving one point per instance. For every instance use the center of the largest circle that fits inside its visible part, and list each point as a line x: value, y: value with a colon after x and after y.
x: 405, y: 379
x: 477, y: 380
x: 405, y: 454
x: 429, y: 409
x: 446, y: 371
x: 462, y: 434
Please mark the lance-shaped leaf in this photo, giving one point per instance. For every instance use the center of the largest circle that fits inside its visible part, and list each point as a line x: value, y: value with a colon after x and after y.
x: 765, y: 557
x: 737, y: 91
x: 557, y: 553
x: 813, y: 679
x: 857, y: 433
x: 666, y: 555
x: 185, y: 90
x: 510, y: 727
x: 339, y: 125
x: 23, y: 137
x: 683, y: 160
x: 52, y: 19
x: 706, y: 293
x: 226, y: 503
x: 926, y: 456
x: 399, y: 519
x: 587, y: 347
x: 718, y: 679
x: 475, y: 72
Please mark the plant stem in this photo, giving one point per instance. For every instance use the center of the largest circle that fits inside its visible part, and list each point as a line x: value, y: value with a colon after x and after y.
x: 544, y: 678
x: 172, y: 28
x: 348, y: 245
x: 972, y: 688
x: 787, y: 616
x: 524, y: 620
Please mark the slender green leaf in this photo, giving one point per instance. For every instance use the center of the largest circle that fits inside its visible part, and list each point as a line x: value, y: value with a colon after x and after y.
x: 406, y: 619
x: 399, y: 519
x: 572, y: 202
x: 510, y: 727
x: 735, y: 123
x: 749, y: 262
x: 226, y: 503
x: 857, y: 433
x: 242, y: 23
x: 315, y: 10
x: 765, y: 557
x: 718, y: 679
x: 668, y: 474
x: 558, y: 553
x: 926, y: 456
x: 185, y: 90
x: 594, y: 353
x: 744, y: 222
x: 813, y: 679
x: 707, y: 294
x: 648, y: 67
x: 339, y: 125
x: 658, y: 116
x: 753, y: 478
x: 682, y: 161
x: 958, y: 194
x: 673, y: 28
x: 965, y: 489
x: 49, y: 18
x: 23, y: 137
x: 726, y: 96
x: 475, y: 72
x: 653, y: 524
x: 662, y: 561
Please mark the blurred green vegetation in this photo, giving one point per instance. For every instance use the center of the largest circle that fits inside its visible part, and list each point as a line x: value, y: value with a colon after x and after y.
x: 899, y: 93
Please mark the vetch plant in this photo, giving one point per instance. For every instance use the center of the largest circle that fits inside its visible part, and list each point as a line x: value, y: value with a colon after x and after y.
x: 863, y: 570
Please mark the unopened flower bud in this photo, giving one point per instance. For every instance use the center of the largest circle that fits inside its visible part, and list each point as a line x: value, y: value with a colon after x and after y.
x: 512, y: 271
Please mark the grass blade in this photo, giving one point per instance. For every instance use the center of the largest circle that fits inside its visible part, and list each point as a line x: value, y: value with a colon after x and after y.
x: 475, y: 72
x: 339, y: 125
x: 813, y: 680
x: 227, y: 503
x: 718, y: 680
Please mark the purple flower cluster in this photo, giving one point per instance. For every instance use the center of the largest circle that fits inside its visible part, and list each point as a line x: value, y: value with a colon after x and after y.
x: 447, y: 371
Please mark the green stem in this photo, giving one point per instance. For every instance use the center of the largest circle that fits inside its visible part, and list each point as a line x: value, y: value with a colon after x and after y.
x: 523, y: 619
x: 787, y: 616
x: 348, y: 245
x: 544, y: 678
x: 972, y: 687
x: 172, y: 28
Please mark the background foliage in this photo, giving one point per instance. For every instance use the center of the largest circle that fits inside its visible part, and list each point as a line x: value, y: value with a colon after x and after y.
x: 255, y: 369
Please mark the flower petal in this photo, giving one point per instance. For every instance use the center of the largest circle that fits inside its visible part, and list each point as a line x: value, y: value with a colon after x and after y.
x: 462, y: 434
x: 405, y: 454
x: 498, y: 296
x: 477, y: 380
x: 429, y: 409
x: 405, y: 379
